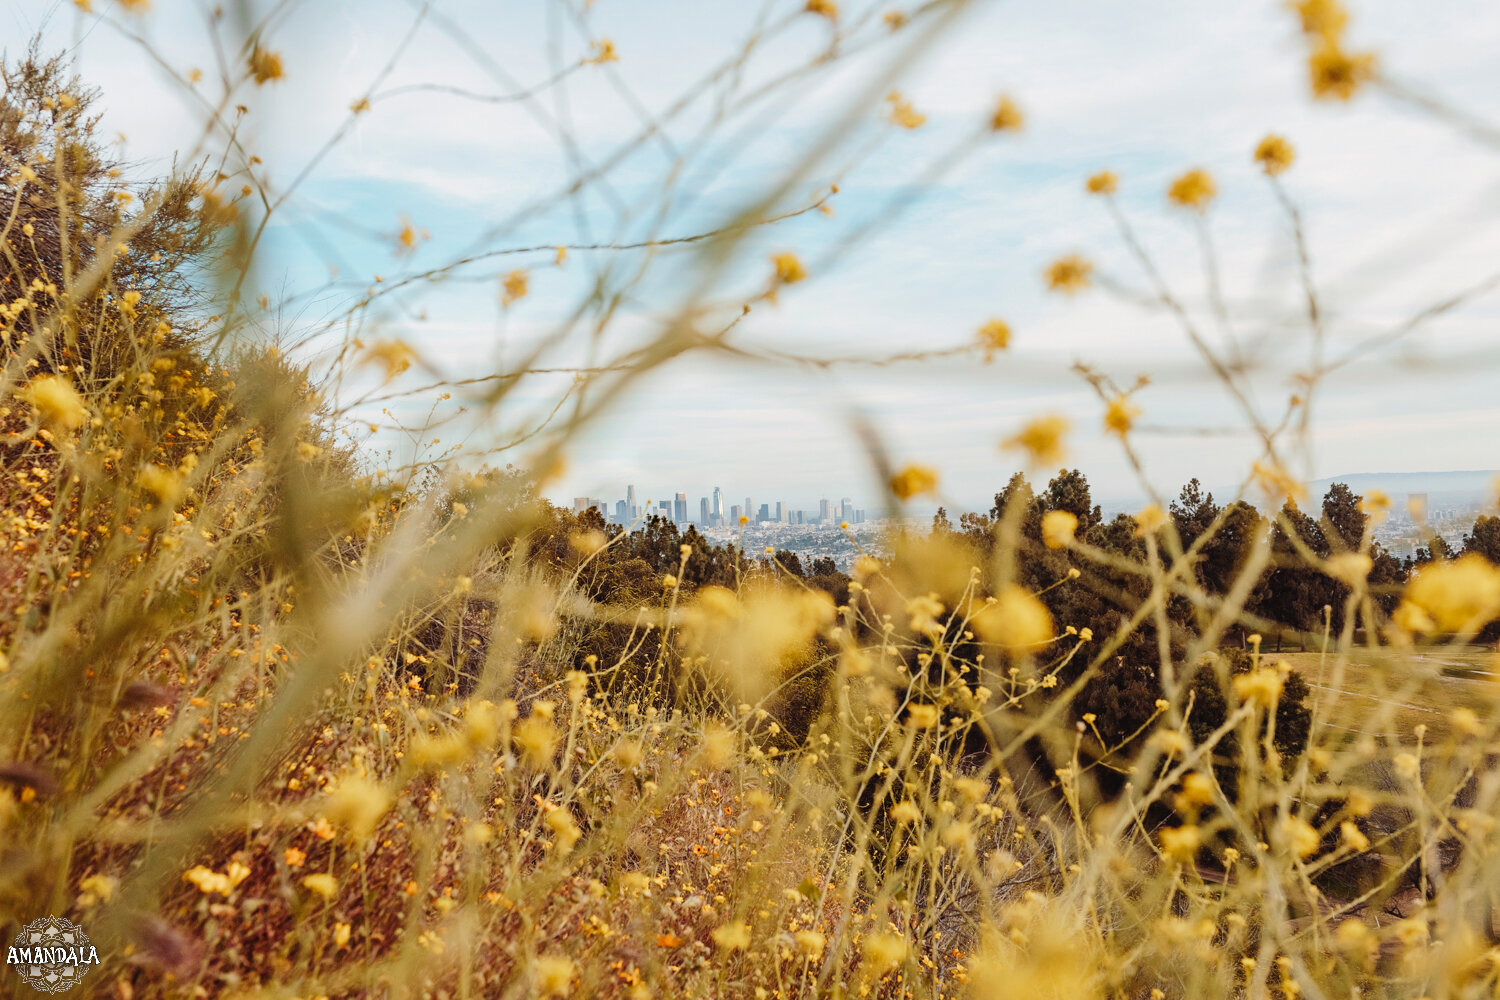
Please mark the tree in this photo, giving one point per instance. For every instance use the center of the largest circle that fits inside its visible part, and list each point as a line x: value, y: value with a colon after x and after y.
x: 72, y: 207
x: 1484, y: 538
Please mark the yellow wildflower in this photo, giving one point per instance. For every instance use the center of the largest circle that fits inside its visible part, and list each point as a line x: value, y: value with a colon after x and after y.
x: 923, y: 716
x: 1299, y: 836
x: 1323, y: 18
x: 994, y: 336
x: 1007, y: 116
x: 1041, y: 439
x: 823, y: 8
x: 1456, y: 596
x: 208, y: 881
x: 1149, y: 520
x: 1274, y: 154
x: 1104, y: 182
x: 395, y: 356
x: 733, y: 936
x: 1194, y: 189
x: 514, y: 286
x: 1349, y: 567
x: 1016, y: 620
x: 554, y: 975
x: 1181, y: 843
x: 265, y: 66
x: 58, y: 405
x: 1058, y: 527
x: 902, y: 112
x: 788, y: 268
x: 1120, y: 414
x: 883, y: 952
x: 913, y: 481
x: 601, y: 52
x: 1335, y: 74
x: 1069, y: 274
x: 322, y: 883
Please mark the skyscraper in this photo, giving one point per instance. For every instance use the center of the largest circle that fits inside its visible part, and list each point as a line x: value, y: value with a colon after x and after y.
x: 734, y: 514
x: 622, y: 512
x: 704, y: 515
x: 780, y: 512
x: 750, y: 508
x: 630, y: 508
x: 764, y: 514
x: 679, y: 510
x: 846, y: 509
x: 825, y: 512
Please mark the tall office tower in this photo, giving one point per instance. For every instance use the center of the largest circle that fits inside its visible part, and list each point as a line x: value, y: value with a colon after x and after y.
x: 859, y: 516
x: 764, y: 514
x: 846, y: 509
x: 622, y: 513
x: 664, y: 509
x: 734, y: 514
x: 718, y: 508
x: 750, y: 508
x: 602, y: 506
x: 679, y: 510
x: 630, y: 507
x: 825, y: 511
x: 780, y: 512
x: 581, y: 504
x: 704, y: 515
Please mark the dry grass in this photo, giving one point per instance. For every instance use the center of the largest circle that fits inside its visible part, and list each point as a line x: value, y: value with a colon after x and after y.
x: 276, y: 724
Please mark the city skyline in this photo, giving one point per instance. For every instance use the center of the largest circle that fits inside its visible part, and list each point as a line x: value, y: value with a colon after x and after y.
x: 711, y: 511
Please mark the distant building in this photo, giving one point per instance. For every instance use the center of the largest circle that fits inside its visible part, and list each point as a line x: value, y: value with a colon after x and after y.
x: 679, y: 509
x: 718, y: 508
x: 780, y: 512
x: 581, y: 504
x: 734, y: 514
x: 664, y: 509
x: 764, y: 514
x: 705, y: 517
x: 825, y: 511
x: 846, y: 509
x: 622, y: 512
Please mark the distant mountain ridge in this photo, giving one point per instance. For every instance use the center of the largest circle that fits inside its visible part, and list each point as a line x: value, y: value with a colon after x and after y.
x: 1468, y: 486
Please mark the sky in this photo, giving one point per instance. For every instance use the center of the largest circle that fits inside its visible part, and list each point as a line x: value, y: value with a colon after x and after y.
x: 932, y: 232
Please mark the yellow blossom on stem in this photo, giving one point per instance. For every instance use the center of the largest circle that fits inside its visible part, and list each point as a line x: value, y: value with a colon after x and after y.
x: 1104, y: 182
x: 823, y: 8
x: 1007, y: 116
x: 1017, y: 619
x: 1069, y: 274
x: 58, y: 405
x: 1120, y: 414
x: 322, y: 883
x: 1335, y: 74
x: 601, y: 52
x: 514, y: 286
x: 1041, y: 439
x: 1274, y: 154
x: 902, y: 112
x: 788, y: 268
x: 1194, y: 190
x: 554, y: 975
x: 914, y: 480
x: 1058, y: 527
x: 265, y: 66
x: 1149, y: 520
x: 994, y: 336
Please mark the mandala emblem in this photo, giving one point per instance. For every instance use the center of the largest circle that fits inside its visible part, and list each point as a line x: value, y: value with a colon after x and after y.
x: 52, y: 954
